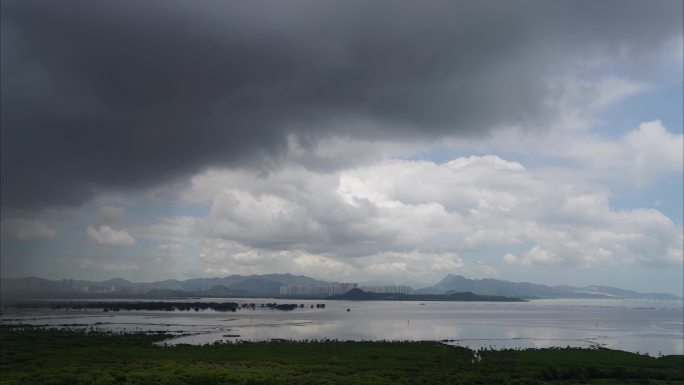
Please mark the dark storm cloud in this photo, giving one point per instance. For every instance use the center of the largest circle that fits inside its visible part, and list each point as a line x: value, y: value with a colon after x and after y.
x: 126, y: 94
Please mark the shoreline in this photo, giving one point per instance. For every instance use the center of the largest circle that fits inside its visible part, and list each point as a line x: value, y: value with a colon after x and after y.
x: 74, y: 357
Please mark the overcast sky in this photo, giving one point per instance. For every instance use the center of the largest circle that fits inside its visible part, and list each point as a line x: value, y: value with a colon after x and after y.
x: 381, y: 141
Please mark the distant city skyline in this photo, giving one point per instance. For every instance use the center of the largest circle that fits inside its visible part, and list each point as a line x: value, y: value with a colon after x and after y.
x: 384, y: 142
x: 308, y: 290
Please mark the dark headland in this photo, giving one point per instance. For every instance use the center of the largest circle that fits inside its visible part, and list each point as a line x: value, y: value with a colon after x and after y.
x: 360, y: 295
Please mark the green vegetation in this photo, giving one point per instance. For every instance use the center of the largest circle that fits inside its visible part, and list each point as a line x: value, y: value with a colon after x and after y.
x: 34, y: 356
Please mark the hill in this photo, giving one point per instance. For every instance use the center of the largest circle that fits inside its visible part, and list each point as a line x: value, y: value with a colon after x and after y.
x: 489, y: 286
x: 360, y: 295
x: 234, y: 285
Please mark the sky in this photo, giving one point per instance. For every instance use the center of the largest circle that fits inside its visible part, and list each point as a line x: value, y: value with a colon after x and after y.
x: 371, y: 142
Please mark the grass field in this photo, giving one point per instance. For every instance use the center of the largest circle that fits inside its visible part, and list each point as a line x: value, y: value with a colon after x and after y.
x: 34, y: 356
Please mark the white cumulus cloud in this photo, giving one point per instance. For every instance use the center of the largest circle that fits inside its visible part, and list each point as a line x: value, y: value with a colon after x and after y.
x: 413, y: 218
x: 107, y: 236
x: 654, y: 150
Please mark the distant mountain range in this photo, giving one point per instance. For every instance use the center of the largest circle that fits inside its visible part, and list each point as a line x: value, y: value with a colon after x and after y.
x: 234, y: 285
x: 458, y: 283
x: 269, y: 285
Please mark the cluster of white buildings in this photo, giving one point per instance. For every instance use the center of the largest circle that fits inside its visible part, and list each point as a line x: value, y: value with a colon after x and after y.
x: 393, y: 289
x: 303, y: 291
x: 341, y: 288
x: 98, y: 289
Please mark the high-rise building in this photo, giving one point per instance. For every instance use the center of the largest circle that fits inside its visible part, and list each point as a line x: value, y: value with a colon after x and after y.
x: 388, y: 289
x: 310, y: 291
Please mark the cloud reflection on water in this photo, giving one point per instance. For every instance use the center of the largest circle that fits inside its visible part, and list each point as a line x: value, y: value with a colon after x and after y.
x: 652, y: 328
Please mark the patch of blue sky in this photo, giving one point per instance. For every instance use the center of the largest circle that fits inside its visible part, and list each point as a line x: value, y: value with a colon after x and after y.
x: 439, y: 154
x: 664, y: 104
x: 666, y: 196
x: 529, y: 160
x: 143, y: 212
x: 142, y: 208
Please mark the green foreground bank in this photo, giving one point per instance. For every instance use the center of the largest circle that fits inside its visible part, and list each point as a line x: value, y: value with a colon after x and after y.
x: 33, y: 356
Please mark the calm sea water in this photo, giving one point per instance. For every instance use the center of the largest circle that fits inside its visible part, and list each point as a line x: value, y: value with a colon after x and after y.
x: 645, y: 326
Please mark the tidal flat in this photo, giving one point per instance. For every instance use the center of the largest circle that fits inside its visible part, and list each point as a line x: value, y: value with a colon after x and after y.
x: 49, y: 356
x: 638, y: 326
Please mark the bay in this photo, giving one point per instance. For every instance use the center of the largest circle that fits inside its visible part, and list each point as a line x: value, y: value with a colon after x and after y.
x: 654, y: 327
